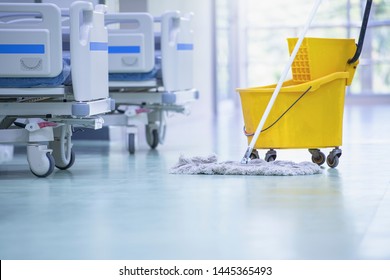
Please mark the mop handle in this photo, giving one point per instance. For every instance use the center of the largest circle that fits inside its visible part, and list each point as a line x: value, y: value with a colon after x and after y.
x: 248, y: 152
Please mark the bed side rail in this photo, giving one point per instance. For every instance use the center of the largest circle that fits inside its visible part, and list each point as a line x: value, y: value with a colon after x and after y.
x: 131, y: 47
x: 30, y: 40
x: 88, y: 49
x: 177, y: 46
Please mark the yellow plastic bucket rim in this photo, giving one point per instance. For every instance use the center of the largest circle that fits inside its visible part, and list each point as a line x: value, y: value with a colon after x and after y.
x: 314, y: 84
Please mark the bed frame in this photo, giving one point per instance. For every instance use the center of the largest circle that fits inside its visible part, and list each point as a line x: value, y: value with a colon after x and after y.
x: 42, y: 96
x: 151, y: 71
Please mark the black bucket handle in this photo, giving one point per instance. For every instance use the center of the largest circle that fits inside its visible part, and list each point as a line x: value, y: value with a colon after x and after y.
x: 362, y: 32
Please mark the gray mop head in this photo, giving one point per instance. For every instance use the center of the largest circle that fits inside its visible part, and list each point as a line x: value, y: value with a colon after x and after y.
x: 210, y: 166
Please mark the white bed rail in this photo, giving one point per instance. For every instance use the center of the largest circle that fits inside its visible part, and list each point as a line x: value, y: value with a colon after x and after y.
x: 177, y: 51
x: 30, y: 40
x: 31, y: 45
x: 131, y: 47
x: 174, y: 43
x: 88, y: 48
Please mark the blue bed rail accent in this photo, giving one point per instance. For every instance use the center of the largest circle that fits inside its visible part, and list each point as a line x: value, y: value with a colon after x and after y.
x: 184, y: 47
x: 22, y: 48
x: 124, y: 49
x: 98, y: 46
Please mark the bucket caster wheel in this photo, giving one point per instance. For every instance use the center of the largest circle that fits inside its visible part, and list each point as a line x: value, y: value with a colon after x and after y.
x: 317, y: 157
x: 40, y: 160
x: 270, y: 155
x: 254, y: 154
x: 333, y: 158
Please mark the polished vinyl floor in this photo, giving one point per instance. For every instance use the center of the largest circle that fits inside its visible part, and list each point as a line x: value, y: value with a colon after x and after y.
x: 112, y: 205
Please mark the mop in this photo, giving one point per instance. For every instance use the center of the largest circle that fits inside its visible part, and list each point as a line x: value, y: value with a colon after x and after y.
x: 209, y: 165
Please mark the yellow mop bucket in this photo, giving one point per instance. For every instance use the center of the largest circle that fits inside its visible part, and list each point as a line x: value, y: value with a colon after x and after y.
x: 308, y: 112
x: 321, y: 72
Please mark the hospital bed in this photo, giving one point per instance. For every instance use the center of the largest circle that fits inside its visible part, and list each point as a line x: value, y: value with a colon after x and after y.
x: 49, y: 87
x: 150, y: 71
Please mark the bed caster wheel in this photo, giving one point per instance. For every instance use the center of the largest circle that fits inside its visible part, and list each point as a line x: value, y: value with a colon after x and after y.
x: 63, y: 166
x: 40, y: 160
x: 63, y: 153
x: 254, y: 154
x: 131, y: 142
x: 317, y: 157
x: 270, y: 155
x: 152, y: 137
x: 333, y: 158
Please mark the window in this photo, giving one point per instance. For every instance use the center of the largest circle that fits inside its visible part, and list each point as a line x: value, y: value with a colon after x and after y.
x: 251, y: 39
